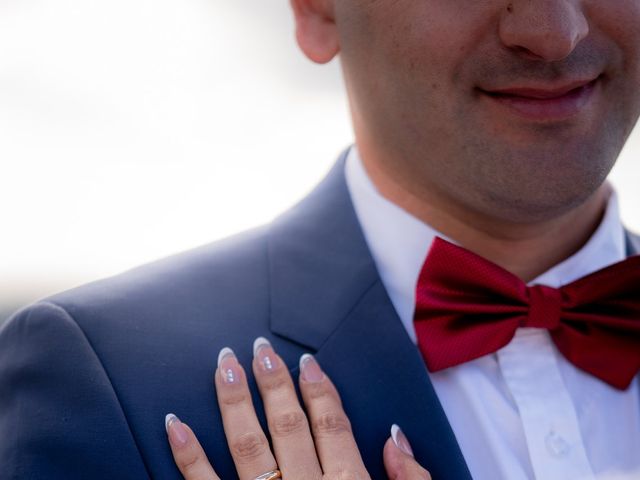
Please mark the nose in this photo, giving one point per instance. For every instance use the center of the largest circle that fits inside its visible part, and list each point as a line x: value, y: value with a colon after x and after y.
x: 543, y: 29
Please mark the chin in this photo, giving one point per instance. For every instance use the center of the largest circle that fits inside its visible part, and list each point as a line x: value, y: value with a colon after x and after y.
x: 540, y: 200
x: 543, y: 186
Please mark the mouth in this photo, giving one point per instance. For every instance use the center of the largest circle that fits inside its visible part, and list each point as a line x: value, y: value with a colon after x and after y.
x: 545, y: 103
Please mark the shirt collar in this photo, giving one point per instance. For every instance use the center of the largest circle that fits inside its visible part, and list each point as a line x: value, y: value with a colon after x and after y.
x: 399, y: 242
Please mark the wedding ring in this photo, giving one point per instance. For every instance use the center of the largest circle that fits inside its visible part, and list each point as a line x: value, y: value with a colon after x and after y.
x: 272, y: 475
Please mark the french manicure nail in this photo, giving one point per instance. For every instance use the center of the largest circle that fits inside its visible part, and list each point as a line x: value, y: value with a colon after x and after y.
x: 311, y: 371
x: 175, y: 430
x: 228, y: 365
x: 263, y: 351
x: 401, y: 440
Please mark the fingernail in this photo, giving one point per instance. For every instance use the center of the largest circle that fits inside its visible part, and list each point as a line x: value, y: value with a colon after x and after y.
x: 311, y: 371
x: 228, y: 365
x: 401, y: 440
x: 175, y: 429
x: 263, y: 351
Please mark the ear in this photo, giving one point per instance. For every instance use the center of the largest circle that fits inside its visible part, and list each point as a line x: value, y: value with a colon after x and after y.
x: 316, y: 30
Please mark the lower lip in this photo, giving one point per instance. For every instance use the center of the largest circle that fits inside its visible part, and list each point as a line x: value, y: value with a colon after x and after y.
x: 548, y: 109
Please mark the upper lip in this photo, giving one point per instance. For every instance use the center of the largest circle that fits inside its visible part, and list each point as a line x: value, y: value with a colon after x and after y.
x: 541, y: 92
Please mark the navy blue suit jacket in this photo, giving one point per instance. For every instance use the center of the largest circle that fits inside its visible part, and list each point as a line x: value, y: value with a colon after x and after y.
x: 87, y: 376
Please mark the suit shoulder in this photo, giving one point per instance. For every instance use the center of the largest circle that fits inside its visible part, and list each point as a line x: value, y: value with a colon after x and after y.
x: 57, y: 400
x: 237, y: 260
x: 205, y: 288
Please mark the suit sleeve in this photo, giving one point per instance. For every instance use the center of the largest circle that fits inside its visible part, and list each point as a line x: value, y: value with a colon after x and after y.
x: 59, y: 415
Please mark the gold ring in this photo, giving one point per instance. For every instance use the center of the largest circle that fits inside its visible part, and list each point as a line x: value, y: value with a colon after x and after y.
x: 272, y: 475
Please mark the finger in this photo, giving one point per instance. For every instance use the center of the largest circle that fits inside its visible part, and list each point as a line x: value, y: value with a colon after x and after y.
x: 337, y: 449
x: 398, y: 458
x: 187, y: 452
x: 248, y: 444
x: 288, y: 426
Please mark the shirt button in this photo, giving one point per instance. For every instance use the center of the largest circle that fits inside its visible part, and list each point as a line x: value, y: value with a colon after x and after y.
x: 556, y: 445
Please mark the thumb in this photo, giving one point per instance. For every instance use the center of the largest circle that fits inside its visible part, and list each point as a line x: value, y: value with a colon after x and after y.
x: 398, y: 458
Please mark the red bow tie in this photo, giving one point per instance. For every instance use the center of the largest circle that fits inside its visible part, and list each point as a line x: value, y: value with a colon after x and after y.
x: 468, y: 307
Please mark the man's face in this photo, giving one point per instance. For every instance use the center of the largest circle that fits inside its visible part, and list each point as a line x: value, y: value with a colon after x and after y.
x: 467, y: 99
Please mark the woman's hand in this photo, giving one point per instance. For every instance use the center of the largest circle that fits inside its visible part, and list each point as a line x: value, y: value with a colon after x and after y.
x: 320, y: 446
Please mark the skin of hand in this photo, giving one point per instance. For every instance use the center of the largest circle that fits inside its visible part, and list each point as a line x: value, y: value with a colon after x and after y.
x: 311, y: 443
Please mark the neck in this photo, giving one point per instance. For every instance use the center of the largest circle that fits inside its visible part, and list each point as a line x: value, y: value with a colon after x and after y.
x: 526, y: 250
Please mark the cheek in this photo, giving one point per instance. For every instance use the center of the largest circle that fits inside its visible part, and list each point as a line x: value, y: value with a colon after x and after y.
x: 618, y: 24
x: 437, y: 41
x: 618, y: 21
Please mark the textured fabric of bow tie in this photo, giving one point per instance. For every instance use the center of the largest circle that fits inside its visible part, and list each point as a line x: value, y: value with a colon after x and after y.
x: 468, y: 307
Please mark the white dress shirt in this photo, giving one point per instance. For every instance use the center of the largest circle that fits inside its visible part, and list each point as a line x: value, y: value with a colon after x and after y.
x: 523, y: 412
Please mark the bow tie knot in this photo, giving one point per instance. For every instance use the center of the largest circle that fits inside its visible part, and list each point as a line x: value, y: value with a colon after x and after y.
x: 545, y: 308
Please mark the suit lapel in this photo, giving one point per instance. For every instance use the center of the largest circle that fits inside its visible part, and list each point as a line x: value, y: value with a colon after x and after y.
x: 383, y: 380
x: 633, y: 244
x: 326, y: 295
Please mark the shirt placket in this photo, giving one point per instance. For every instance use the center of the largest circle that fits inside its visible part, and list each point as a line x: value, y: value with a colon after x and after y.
x: 530, y: 369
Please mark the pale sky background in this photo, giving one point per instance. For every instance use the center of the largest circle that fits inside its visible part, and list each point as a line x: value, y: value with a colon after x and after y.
x: 133, y: 129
